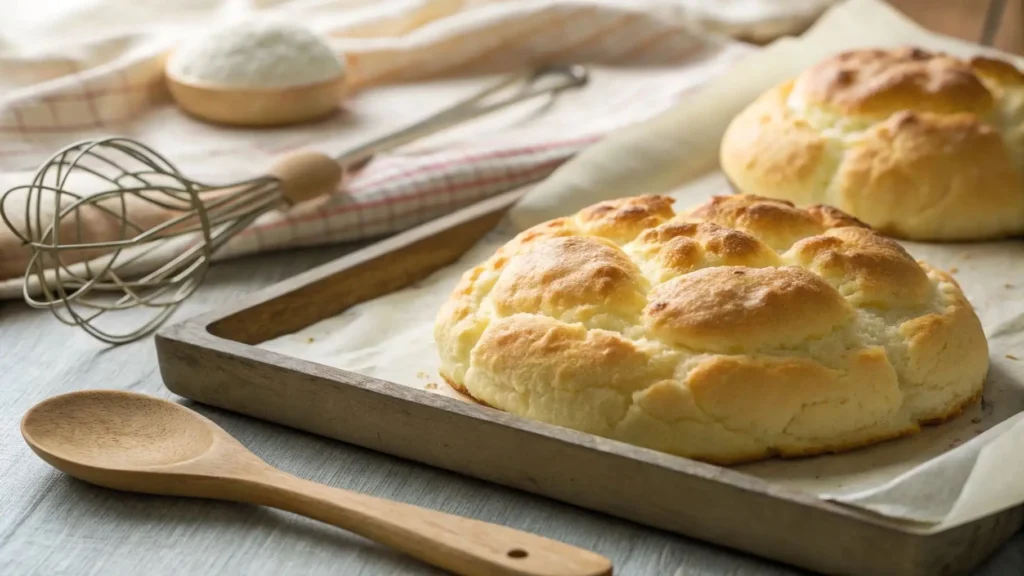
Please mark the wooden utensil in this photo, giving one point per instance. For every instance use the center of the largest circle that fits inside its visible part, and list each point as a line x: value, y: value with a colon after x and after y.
x: 139, y: 443
x: 257, y: 106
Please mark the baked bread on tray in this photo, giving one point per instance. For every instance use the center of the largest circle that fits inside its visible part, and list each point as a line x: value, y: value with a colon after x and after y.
x: 738, y: 330
x: 917, y: 144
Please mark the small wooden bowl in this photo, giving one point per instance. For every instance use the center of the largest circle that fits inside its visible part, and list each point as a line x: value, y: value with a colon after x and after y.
x: 257, y: 106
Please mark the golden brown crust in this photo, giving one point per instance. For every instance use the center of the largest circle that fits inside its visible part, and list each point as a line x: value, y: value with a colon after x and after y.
x: 918, y: 145
x: 868, y: 269
x: 574, y: 278
x: 778, y: 223
x: 622, y: 219
x: 832, y: 217
x: 965, y: 161
x: 766, y: 148
x: 678, y: 247
x: 732, y: 309
x: 698, y: 339
x: 557, y: 228
x: 881, y: 82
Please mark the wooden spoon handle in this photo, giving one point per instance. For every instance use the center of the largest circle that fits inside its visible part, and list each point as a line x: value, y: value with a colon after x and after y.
x: 460, y: 545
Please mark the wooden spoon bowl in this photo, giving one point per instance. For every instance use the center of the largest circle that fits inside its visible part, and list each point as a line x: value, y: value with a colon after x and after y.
x: 139, y: 443
x: 97, y: 433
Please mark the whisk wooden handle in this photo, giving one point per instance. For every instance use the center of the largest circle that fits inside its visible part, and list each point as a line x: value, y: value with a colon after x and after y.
x: 306, y: 175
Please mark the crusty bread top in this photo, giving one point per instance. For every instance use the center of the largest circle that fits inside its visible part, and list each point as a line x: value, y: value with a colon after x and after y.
x: 730, y: 331
x: 920, y: 145
x: 881, y: 82
x: 731, y: 275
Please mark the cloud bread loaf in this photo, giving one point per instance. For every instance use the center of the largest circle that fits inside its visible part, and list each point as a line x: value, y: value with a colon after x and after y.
x: 919, y: 145
x: 737, y: 330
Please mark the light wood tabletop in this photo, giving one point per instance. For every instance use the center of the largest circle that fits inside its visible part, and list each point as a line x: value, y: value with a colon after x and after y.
x: 51, y: 524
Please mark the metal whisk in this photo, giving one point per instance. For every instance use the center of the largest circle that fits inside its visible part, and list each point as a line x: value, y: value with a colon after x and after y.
x: 168, y: 226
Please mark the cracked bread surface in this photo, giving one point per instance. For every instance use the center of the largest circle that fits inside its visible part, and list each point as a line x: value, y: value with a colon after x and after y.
x: 736, y: 330
x: 920, y: 145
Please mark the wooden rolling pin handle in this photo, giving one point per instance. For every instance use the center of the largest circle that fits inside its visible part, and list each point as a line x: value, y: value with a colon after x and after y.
x: 458, y: 544
x: 305, y: 175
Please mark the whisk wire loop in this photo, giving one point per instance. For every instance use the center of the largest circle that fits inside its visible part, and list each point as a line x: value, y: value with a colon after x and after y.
x: 80, y: 275
x: 113, y: 226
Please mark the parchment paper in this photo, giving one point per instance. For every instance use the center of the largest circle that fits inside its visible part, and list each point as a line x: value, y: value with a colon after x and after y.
x: 945, y: 476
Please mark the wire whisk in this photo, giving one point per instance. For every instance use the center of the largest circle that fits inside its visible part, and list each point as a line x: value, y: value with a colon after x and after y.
x: 112, y: 225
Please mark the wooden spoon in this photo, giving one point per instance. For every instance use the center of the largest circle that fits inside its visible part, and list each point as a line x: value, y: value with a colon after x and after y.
x: 145, y: 444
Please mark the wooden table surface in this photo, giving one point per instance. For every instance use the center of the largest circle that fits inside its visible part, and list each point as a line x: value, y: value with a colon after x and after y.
x: 51, y: 524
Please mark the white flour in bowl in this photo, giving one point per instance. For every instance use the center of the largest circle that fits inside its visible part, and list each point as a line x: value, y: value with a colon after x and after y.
x: 256, y: 54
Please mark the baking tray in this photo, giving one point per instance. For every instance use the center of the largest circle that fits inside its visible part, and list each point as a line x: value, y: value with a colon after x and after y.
x: 213, y: 359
